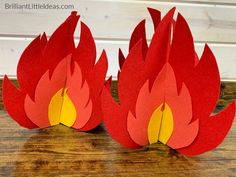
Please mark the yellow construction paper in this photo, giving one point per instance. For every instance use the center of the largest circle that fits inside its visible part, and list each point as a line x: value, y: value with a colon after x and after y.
x: 161, y: 125
x: 61, y: 109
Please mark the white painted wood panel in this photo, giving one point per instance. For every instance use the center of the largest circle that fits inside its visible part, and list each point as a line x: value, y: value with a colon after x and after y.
x: 223, y: 2
x: 116, y: 19
x: 11, y: 49
x: 112, y: 22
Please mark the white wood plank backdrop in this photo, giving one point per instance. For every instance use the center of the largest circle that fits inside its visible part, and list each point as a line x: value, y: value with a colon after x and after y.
x: 202, y: 1
x: 112, y: 21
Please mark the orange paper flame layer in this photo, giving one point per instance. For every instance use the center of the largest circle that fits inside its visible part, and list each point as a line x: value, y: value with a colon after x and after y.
x: 166, y: 93
x: 59, y: 83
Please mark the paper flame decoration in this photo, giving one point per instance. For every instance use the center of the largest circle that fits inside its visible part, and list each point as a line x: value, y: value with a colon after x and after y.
x: 59, y: 83
x: 166, y: 93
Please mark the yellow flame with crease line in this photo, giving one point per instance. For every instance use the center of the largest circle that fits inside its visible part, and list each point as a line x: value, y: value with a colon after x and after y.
x: 61, y: 109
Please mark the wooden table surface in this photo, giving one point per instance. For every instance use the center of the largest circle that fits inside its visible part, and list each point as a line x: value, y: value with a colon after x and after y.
x: 62, y: 151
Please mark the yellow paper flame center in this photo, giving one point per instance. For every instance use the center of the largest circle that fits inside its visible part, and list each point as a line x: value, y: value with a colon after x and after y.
x: 61, y: 109
x: 161, y: 124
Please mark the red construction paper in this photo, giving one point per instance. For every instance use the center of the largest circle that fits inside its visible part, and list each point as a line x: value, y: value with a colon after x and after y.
x: 118, y: 113
x: 132, y: 66
x: 139, y: 33
x: 13, y: 100
x: 48, y: 66
x: 181, y: 109
x: 204, y: 85
x: 117, y: 125
x: 121, y: 58
x: 212, y: 131
x: 168, y: 77
x: 156, y: 17
x: 31, y: 70
x: 158, y: 52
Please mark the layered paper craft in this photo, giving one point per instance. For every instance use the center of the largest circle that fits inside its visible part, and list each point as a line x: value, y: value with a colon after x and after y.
x: 58, y: 82
x: 166, y: 93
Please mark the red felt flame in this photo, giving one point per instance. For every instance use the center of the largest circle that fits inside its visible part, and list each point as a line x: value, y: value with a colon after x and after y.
x: 192, y: 92
x: 49, y: 65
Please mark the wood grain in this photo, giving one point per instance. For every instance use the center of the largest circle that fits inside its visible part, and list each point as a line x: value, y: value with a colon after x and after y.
x: 61, y: 151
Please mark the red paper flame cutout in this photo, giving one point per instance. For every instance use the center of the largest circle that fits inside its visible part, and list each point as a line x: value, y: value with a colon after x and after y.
x: 46, y: 67
x: 180, y: 106
x: 167, y: 72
